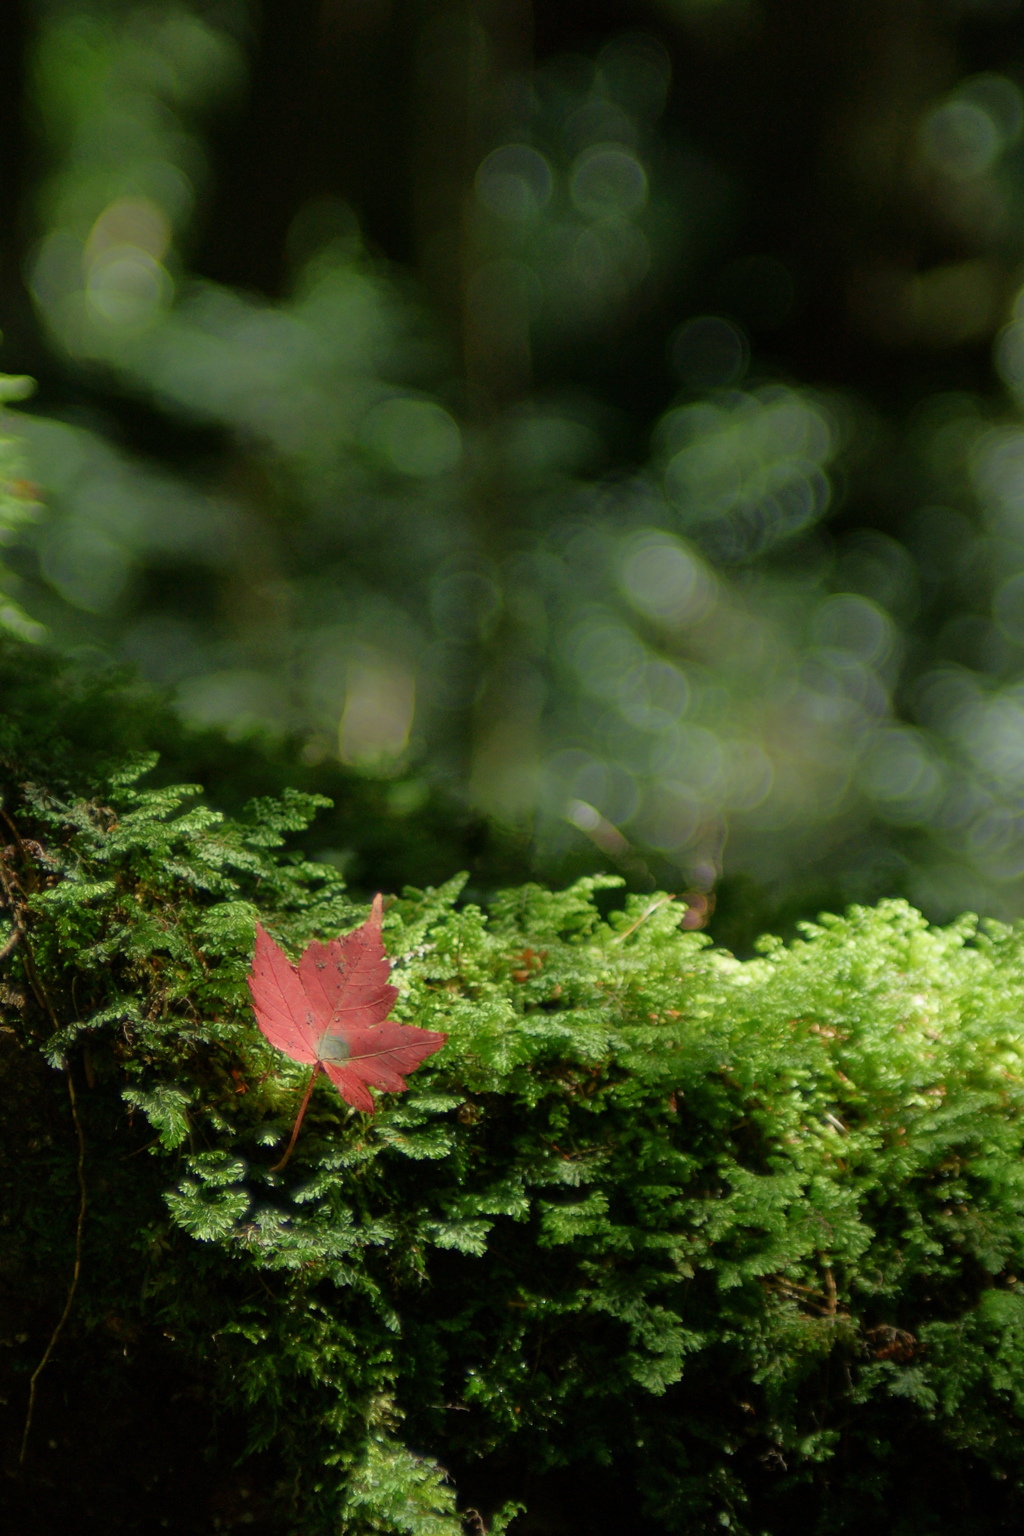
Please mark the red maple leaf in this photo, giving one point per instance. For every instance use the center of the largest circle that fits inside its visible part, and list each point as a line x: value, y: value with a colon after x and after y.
x: 332, y: 1010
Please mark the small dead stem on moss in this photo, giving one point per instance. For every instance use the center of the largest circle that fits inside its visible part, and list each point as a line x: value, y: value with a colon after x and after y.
x: 19, y: 917
x: 75, y: 1273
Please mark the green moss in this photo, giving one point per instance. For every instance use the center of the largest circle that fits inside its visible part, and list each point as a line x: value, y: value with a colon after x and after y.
x: 748, y: 1234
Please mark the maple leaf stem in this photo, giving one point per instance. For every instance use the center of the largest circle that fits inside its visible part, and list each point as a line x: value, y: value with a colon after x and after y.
x: 298, y: 1119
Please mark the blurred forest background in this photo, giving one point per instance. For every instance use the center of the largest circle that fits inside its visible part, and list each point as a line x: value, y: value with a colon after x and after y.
x: 574, y: 436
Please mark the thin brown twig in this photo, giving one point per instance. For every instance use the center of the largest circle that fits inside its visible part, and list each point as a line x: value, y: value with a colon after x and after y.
x: 38, y: 990
x: 5, y: 882
x: 75, y: 1273
x: 15, y: 833
x: 662, y: 901
x: 298, y: 1119
x: 12, y: 941
x: 42, y: 998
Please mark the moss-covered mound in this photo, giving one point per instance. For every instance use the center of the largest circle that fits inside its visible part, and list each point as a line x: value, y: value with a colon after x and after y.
x: 659, y: 1240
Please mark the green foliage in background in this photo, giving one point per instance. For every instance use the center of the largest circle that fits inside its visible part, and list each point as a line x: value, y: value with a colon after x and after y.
x: 744, y: 1234
x: 618, y: 432
x: 19, y: 505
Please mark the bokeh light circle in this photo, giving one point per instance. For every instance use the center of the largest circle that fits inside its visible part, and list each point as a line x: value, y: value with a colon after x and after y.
x: 848, y: 622
x: 900, y: 774
x: 126, y: 286
x: 961, y: 139
x: 709, y: 350
x: 665, y: 580
x: 608, y: 180
x: 416, y: 437
x: 635, y: 70
x: 515, y: 182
